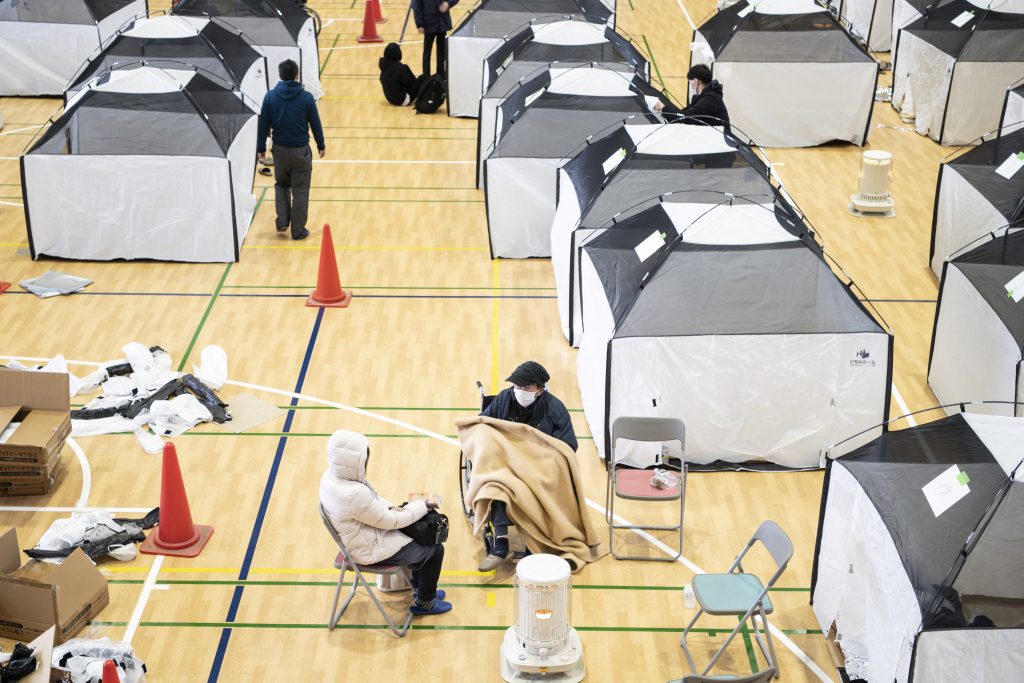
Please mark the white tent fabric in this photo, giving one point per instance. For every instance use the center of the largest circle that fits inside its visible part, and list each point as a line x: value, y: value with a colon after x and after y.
x: 29, y: 62
x: 743, y: 397
x: 870, y: 20
x: 1013, y: 111
x: 142, y: 206
x: 962, y: 215
x: 974, y: 355
x: 957, y: 655
x: 304, y: 54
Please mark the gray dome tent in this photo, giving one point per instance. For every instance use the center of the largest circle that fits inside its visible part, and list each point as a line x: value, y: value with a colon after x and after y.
x: 31, y: 63
x: 914, y: 593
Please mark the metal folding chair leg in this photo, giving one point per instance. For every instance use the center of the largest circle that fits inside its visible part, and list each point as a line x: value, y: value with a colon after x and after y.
x: 768, y: 651
x: 359, y: 579
x: 682, y: 640
x: 612, y: 526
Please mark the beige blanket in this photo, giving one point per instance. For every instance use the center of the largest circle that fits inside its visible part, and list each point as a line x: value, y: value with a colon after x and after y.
x: 538, y: 478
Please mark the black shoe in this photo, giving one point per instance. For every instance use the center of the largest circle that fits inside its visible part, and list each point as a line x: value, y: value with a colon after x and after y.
x: 300, y: 235
x: 281, y: 228
x: 266, y: 171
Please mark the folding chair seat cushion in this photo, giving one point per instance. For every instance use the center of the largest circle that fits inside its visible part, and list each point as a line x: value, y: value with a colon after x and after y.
x: 636, y: 485
x: 729, y: 593
x: 339, y: 563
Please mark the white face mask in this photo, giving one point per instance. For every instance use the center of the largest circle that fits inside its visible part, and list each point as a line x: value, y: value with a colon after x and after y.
x: 693, y: 89
x: 523, y: 397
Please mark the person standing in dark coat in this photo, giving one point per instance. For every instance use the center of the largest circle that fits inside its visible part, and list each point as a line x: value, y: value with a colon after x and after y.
x: 527, y: 401
x: 290, y: 112
x: 707, y: 106
x: 434, y: 22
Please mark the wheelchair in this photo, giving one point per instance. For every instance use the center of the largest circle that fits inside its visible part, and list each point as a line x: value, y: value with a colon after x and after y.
x: 465, y: 466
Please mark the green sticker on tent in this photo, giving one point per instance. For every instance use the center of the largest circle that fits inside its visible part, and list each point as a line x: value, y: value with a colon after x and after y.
x: 963, y: 478
x: 1020, y: 155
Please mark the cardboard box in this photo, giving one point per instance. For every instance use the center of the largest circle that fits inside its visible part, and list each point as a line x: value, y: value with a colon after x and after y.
x: 38, y: 595
x: 29, y: 481
x: 40, y: 402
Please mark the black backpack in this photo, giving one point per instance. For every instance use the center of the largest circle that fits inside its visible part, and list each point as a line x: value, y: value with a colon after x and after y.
x: 430, y: 96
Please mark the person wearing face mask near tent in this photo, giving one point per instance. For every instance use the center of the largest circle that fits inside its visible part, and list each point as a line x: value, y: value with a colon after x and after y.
x: 527, y: 401
x: 707, y: 106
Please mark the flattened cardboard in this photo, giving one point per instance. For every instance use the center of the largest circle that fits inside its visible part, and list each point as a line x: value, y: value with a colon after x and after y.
x: 39, y: 390
x: 37, y: 595
x: 40, y: 401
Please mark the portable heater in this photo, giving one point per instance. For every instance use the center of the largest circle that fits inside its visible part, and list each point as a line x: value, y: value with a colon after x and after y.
x: 873, y: 197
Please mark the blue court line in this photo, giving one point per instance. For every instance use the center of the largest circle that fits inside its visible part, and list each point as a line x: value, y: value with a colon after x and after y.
x: 250, y: 551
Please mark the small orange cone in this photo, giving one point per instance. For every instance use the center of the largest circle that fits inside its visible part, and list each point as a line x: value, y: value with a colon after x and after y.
x: 377, y: 15
x: 370, y: 25
x: 175, y: 533
x: 110, y: 674
x: 328, y: 292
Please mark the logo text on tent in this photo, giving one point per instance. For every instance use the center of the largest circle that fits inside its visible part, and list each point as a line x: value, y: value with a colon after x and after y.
x: 863, y: 359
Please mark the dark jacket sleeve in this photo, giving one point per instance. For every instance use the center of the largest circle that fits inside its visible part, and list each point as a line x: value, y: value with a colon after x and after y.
x: 562, y: 423
x: 314, y: 123
x: 498, y: 408
x: 417, y: 12
x: 406, y: 78
x: 263, y: 126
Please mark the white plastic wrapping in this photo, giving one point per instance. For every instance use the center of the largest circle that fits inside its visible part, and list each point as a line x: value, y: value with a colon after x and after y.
x: 962, y: 215
x: 213, y: 367
x: 974, y: 357
x: 84, y: 657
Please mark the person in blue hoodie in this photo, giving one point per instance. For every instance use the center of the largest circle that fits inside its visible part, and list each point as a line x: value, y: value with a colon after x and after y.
x: 288, y: 113
x: 434, y: 22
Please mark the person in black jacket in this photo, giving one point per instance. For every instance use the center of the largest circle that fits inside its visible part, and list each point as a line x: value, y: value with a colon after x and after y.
x: 396, y: 78
x: 706, y: 104
x: 526, y: 401
x: 434, y: 22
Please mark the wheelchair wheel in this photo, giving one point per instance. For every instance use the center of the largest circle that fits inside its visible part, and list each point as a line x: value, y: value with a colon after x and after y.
x: 465, y: 470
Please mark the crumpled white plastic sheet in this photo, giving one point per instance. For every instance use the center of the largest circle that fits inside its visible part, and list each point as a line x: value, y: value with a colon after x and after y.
x: 213, y: 367
x: 87, y: 656
x: 178, y: 415
x: 85, y: 526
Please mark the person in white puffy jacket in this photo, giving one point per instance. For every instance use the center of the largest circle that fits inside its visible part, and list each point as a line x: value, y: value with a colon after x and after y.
x: 369, y: 525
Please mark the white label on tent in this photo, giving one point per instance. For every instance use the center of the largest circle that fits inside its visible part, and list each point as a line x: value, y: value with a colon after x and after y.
x: 613, y: 161
x: 945, y: 490
x: 650, y: 245
x: 1015, y: 288
x: 1013, y: 163
x: 745, y: 11
x: 533, y: 98
x: 962, y: 19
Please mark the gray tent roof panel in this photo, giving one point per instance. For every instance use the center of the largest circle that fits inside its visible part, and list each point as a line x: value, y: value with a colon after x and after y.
x: 555, y: 128
x: 977, y: 167
x: 87, y: 12
x: 793, y: 46
x: 987, y: 37
x: 265, y: 22
x: 498, y: 18
x: 989, y: 267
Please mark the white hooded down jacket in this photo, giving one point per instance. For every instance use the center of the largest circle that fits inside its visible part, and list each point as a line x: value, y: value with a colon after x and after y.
x: 366, y: 522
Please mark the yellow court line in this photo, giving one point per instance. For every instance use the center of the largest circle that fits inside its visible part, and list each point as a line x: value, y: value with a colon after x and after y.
x: 492, y: 599
x: 301, y: 247
x: 13, y: 244
x: 495, y: 323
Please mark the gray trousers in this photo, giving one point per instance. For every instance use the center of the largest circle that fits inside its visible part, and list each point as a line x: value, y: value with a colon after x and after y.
x: 293, y: 171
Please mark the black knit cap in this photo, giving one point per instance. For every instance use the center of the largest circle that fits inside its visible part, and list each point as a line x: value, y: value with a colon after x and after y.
x: 530, y: 372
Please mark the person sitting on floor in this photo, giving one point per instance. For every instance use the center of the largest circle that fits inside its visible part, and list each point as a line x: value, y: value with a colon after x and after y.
x: 526, y: 401
x: 399, y: 83
x: 369, y: 525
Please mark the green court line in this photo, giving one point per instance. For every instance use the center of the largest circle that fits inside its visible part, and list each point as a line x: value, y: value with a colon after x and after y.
x: 631, y: 5
x: 331, y: 52
x: 650, y: 53
x: 751, y: 657
x: 416, y: 627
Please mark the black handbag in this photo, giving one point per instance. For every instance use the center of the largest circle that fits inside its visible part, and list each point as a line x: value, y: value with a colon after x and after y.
x: 430, y: 529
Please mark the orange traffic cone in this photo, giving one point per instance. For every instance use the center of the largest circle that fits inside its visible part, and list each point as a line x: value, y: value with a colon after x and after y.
x: 328, y: 292
x: 4, y: 286
x: 370, y: 25
x: 377, y: 15
x: 110, y: 674
x: 175, y: 533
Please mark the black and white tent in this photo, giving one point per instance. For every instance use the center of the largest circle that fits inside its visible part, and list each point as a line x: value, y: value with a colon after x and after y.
x: 915, y: 592
x: 156, y: 165
x: 1013, y: 110
x: 493, y: 21
x: 978, y: 337
x: 870, y: 21
x: 560, y: 44
x: 538, y: 126
x: 633, y: 168
x: 755, y: 50
x: 972, y: 199
x: 951, y: 68
x: 44, y: 42
x: 280, y: 29
x: 172, y: 42
x: 730, y: 319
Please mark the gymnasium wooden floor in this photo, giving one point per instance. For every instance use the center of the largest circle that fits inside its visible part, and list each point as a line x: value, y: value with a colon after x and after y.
x: 432, y: 314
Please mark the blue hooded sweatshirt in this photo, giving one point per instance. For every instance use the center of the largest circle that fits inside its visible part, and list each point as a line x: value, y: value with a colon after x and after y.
x: 289, y: 111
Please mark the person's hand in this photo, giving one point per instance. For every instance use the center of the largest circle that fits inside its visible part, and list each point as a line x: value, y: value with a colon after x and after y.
x: 433, y: 502
x: 262, y: 156
x: 659, y: 105
x: 443, y: 7
x: 420, y: 29
x: 323, y: 152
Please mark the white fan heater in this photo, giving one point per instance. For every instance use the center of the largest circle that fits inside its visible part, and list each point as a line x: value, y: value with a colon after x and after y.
x: 873, y: 197
x: 542, y: 646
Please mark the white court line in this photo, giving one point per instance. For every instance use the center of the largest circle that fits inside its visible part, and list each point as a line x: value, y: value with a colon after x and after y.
x: 32, y: 508
x: 363, y: 47
x: 148, y: 587
x: 9, y: 158
x: 11, y: 203
x: 21, y: 130
x: 83, y: 498
x: 903, y: 405
x: 392, y: 161
x: 686, y: 14
x: 140, y: 605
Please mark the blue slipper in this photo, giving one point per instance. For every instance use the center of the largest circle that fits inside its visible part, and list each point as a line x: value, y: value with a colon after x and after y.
x: 440, y: 607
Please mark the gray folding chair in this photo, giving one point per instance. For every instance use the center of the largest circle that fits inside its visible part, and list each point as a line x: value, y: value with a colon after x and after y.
x: 737, y: 593
x: 344, y: 565
x: 635, y: 484
x: 759, y: 677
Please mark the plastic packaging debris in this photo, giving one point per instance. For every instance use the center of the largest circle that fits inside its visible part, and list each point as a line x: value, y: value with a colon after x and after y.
x: 150, y: 442
x: 54, y: 283
x: 181, y: 413
x: 95, y: 532
x: 663, y: 479
x: 84, y: 657
x: 213, y: 367
x: 18, y: 665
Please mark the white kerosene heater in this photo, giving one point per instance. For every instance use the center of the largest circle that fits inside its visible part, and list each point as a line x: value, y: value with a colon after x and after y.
x: 542, y: 646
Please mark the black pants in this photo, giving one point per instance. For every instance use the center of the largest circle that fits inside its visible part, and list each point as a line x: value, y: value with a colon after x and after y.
x: 442, y: 52
x: 293, y: 172
x: 499, y: 524
x: 424, y: 562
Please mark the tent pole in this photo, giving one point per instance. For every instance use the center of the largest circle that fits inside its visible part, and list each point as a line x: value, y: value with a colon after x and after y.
x: 405, y: 24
